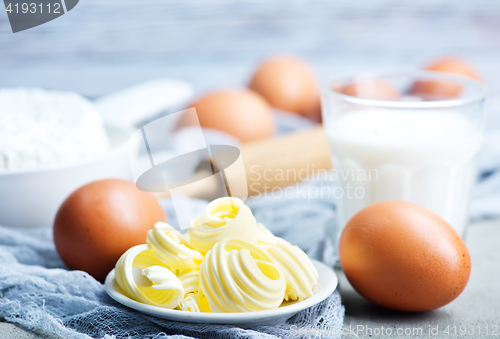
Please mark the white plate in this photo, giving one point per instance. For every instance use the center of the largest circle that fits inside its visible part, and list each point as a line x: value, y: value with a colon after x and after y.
x: 327, y: 283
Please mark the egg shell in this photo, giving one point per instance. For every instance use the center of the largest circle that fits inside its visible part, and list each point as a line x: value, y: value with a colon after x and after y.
x: 371, y: 89
x: 402, y: 256
x: 454, y: 65
x: 288, y: 83
x: 240, y: 112
x: 442, y: 89
x: 99, y: 221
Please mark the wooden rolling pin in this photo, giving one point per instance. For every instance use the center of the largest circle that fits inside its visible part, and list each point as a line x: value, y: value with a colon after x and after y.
x: 285, y: 160
x: 276, y: 162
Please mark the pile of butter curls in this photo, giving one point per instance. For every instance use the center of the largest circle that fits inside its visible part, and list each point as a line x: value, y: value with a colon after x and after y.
x: 226, y: 262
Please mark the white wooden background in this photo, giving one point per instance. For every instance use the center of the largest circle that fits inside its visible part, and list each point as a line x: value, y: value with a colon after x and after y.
x: 103, y: 45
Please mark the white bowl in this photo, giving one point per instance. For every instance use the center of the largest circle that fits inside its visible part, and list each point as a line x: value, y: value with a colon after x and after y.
x: 31, y: 198
x: 327, y: 283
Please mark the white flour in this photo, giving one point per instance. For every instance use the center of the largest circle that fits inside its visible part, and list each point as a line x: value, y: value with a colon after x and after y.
x: 40, y: 127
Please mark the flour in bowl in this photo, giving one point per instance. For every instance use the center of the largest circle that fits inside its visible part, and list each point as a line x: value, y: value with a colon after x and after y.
x: 44, y: 127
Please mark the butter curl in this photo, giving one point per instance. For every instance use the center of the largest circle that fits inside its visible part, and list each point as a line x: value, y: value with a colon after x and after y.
x: 173, y: 248
x: 237, y: 276
x: 141, y: 277
x: 223, y: 217
x: 300, y: 273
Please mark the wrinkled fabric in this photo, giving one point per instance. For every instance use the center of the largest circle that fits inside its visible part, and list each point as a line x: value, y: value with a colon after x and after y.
x: 37, y: 292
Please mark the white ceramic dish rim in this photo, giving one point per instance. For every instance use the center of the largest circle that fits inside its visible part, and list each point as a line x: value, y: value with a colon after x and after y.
x: 327, y: 279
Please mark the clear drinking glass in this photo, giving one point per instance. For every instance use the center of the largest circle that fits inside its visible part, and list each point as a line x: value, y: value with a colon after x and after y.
x: 411, y: 136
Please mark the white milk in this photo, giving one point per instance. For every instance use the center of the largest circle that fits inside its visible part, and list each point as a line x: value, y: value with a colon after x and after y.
x: 426, y: 157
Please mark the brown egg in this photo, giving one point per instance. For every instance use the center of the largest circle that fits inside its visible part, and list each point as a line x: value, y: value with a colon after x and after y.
x: 371, y: 89
x: 289, y: 84
x: 98, y: 222
x: 402, y: 256
x: 240, y: 112
x: 442, y: 89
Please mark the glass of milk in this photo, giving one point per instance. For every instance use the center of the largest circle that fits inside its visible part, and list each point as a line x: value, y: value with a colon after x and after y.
x: 411, y: 136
